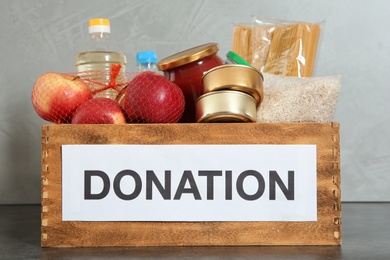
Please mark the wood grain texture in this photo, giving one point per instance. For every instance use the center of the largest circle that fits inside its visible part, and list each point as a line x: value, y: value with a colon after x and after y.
x: 325, y: 231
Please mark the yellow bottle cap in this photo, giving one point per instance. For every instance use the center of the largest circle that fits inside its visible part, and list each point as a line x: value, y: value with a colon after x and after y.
x: 99, y: 25
x: 99, y: 21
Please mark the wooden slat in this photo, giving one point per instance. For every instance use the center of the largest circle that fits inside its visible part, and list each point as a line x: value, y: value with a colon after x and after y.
x: 325, y: 231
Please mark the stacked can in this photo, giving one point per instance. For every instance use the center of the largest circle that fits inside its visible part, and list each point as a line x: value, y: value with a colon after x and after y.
x: 231, y: 93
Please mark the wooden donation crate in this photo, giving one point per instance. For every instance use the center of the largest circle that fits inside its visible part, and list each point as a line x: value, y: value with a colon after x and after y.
x: 326, y: 230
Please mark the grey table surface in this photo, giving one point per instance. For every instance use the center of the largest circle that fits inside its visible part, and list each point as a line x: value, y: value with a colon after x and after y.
x: 365, y: 227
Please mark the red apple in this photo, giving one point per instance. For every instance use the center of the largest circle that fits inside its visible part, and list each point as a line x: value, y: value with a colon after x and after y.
x: 56, y: 96
x: 99, y: 111
x: 152, y: 98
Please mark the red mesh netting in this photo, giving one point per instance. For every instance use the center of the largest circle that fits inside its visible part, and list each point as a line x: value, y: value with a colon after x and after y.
x: 111, y: 97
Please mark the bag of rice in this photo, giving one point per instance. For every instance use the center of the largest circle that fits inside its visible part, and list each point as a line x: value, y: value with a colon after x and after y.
x: 299, y: 99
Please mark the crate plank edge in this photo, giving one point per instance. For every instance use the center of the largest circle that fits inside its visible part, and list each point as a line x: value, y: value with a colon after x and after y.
x: 325, y: 231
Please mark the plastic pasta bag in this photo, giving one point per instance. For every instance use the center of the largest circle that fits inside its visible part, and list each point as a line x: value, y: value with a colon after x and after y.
x: 280, y: 47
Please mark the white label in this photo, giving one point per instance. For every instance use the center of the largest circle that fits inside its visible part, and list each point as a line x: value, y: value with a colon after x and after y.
x: 189, y: 183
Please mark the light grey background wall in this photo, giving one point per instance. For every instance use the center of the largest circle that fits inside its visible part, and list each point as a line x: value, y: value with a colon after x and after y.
x: 40, y: 36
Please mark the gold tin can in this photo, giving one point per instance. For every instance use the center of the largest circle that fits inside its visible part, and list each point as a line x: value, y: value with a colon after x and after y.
x: 235, y: 77
x: 225, y: 106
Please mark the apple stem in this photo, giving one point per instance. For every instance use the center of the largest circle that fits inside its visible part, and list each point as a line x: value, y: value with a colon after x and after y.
x: 75, y: 77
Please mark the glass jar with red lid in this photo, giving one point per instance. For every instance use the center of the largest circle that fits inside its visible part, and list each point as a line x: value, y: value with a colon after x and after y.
x: 186, y: 69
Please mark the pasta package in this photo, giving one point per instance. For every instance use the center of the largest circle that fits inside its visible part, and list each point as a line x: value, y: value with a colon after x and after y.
x: 242, y: 40
x: 278, y: 47
x: 261, y: 43
x: 292, y: 50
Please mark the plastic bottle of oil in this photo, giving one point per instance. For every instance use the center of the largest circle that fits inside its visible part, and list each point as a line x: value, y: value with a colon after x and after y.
x: 101, y: 60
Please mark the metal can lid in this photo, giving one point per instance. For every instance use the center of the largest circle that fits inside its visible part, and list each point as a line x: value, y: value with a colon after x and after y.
x: 235, y: 77
x: 188, y: 56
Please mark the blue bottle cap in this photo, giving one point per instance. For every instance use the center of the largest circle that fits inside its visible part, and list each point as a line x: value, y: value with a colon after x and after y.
x: 146, y: 57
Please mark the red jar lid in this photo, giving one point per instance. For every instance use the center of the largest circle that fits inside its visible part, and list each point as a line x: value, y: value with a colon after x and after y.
x: 188, y: 56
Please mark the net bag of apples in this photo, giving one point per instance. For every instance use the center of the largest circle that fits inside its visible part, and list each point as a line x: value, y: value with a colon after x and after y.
x: 143, y: 97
